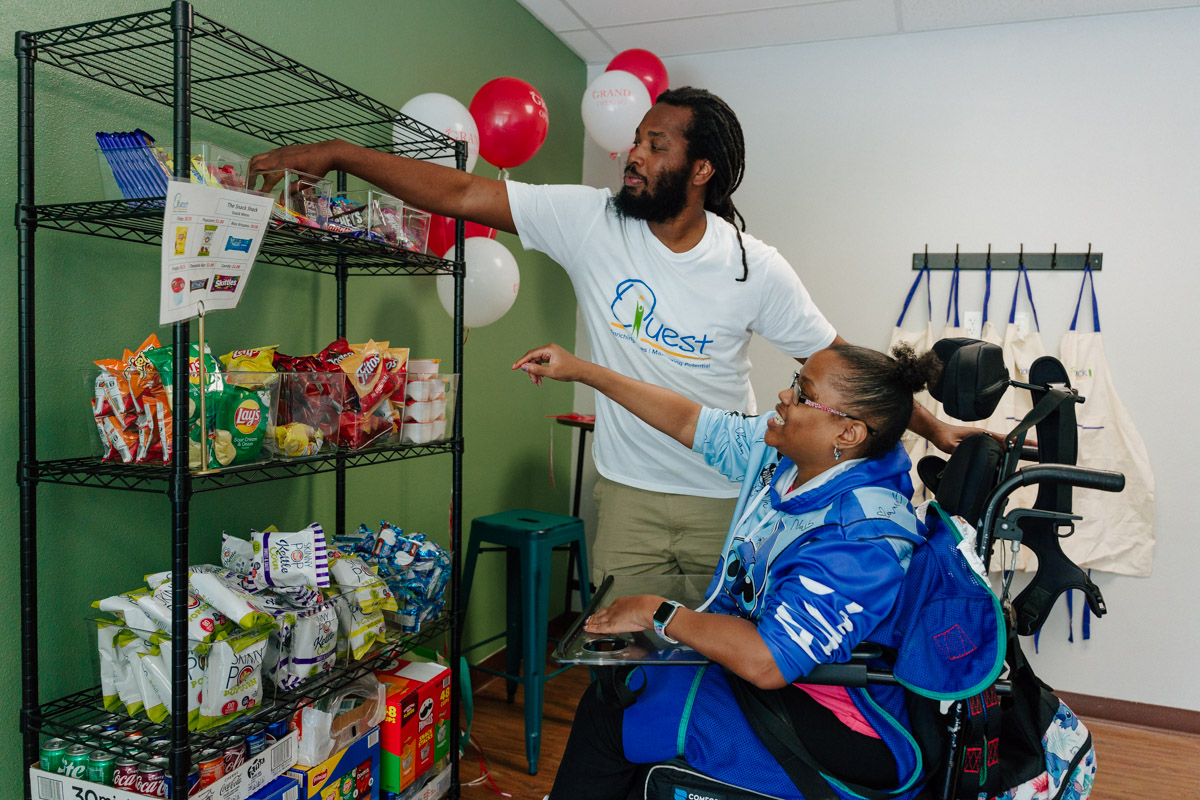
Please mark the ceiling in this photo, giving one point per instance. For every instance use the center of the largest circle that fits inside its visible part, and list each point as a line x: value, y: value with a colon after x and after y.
x: 599, y: 29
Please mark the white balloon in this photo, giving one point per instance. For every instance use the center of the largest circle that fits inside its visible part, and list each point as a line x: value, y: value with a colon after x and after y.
x: 491, y: 283
x: 612, y: 107
x: 443, y: 113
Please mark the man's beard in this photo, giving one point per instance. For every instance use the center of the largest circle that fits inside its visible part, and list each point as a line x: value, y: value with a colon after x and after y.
x: 665, y: 202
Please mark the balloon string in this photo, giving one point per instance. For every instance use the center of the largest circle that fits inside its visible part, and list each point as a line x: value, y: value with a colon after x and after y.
x: 503, y: 174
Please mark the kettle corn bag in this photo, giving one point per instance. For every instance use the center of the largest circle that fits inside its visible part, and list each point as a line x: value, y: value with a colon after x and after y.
x: 358, y: 630
x: 292, y: 558
x: 313, y: 647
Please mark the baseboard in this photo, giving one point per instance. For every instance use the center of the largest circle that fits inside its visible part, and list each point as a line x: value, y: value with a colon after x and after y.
x: 1128, y: 712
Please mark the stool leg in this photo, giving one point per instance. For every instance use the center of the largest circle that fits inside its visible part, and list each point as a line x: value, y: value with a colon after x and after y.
x: 468, y: 571
x: 585, y: 575
x: 536, y: 578
x: 513, y: 632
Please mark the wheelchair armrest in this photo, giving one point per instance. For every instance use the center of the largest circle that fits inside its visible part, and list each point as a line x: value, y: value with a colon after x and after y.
x: 847, y: 673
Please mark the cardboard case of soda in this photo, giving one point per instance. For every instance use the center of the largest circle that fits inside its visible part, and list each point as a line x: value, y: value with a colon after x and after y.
x: 254, y: 774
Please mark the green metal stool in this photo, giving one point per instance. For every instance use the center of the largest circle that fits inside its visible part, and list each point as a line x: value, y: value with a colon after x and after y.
x: 527, y: 538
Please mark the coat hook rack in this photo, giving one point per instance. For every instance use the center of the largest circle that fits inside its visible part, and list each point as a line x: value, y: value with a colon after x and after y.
x: 1054, y: 260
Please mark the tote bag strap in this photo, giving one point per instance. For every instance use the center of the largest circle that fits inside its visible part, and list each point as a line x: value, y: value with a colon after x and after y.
x: 923, y: 272
x: 1012, y: 315
x: 952, y: 302
x: 987, y: 288
x: 1087, y: 275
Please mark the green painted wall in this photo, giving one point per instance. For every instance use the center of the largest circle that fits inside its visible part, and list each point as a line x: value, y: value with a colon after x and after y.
x: 95, y: 297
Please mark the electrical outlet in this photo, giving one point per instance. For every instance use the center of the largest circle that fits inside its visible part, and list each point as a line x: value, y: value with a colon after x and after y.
x: 974, y: 320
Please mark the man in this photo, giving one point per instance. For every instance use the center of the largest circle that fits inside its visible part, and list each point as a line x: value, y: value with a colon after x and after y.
x: 670, y: 291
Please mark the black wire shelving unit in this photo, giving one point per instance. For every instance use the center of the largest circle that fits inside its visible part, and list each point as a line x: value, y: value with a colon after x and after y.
x: 202, y: 69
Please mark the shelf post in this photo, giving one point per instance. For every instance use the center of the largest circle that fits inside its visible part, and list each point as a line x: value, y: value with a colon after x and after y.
x: 181, y: 478
x: 27, y: 458
x: 339, y: 503
x: 457, y: 612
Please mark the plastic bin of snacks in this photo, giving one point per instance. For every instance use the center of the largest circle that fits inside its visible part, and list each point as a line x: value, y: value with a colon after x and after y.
x: 299, y: 197
x: 131, y: 171
x: 131, y: 412
x: 309, y: 415
x: 431, y: 418
x: 133, y: 659
x: 380, y: 217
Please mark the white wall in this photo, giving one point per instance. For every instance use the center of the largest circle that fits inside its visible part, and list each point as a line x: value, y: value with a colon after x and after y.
x: 1069, y: 132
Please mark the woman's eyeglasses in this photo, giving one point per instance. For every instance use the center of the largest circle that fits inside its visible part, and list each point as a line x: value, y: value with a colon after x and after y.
x: 798, y: 398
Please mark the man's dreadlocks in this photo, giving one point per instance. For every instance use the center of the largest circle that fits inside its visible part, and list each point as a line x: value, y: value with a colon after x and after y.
x: 716, y: 136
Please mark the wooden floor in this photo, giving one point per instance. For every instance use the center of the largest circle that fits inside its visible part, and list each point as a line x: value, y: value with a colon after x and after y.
x: 1134, y: 763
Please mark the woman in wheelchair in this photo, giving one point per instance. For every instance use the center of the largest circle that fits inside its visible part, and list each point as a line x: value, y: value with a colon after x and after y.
x: 813, y: 563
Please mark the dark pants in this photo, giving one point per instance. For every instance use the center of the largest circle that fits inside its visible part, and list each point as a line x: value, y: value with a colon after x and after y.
x: 594, y: 766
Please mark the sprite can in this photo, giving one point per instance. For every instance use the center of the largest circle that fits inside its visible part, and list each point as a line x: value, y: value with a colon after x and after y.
x: 75, y: 762
x: 51, y: 756
x: 100, y: 767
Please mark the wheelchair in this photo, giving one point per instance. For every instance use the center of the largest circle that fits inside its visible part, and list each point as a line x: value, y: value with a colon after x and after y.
x: 974, y: 485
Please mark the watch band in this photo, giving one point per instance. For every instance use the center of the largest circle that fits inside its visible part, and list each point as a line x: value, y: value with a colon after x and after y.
x: 662, y: 618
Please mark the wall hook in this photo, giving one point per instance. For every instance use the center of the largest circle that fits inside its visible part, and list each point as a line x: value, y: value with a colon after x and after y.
x: 1053, y: 257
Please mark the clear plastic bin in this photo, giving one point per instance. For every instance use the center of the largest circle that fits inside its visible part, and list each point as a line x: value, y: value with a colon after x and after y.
x: 308, y: 420
x: 430, y: 419
x: 131, y: 413
x: 299, y: 197
x: 138, y: 172
x: 380, y: 217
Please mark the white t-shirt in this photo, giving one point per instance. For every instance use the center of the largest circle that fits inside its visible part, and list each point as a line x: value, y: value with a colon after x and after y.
x: 680, y: 320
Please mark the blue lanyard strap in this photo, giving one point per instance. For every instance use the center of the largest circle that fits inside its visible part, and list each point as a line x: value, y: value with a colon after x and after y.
x: 953, y: 299
x: 987, y: 291
x: 1012, y: 315
x: 1087, y: 274
x: 923, y: 272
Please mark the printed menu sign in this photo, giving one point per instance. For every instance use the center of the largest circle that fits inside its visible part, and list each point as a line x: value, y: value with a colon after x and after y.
x: 210, y: 238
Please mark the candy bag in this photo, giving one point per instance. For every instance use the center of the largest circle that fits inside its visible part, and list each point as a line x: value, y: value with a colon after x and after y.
x: 291, y: 559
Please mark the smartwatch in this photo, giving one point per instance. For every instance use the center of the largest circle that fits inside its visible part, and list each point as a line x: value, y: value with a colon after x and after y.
x: 662, y: 618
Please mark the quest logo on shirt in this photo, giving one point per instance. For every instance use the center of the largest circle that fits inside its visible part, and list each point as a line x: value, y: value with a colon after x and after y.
x: 633, y: 314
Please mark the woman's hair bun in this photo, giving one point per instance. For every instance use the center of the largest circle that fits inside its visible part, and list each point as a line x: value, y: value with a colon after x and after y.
x: 915, y: 371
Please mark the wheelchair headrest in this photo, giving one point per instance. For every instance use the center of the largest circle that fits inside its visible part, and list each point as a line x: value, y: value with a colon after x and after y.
x: 961, y: 485
x: 973, y: 378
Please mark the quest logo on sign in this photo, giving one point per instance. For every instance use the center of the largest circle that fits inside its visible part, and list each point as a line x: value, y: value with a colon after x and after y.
x: 633, y: 308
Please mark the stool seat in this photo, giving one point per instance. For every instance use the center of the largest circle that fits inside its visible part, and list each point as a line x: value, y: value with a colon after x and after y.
x: 528, y: 539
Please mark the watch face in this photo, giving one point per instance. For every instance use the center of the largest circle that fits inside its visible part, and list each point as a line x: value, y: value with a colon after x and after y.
x: 664, y: 612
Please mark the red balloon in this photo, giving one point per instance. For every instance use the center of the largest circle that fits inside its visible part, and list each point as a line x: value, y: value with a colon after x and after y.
x: 441, y: 234
x: 512, y: 121
x: 646, y: 66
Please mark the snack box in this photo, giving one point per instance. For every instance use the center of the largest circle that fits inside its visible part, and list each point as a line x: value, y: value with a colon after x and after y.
x: 398, y: 739
x: 350, y: 772
x: 285, y: 787
x: 250, y: 777
x: 432, y: 682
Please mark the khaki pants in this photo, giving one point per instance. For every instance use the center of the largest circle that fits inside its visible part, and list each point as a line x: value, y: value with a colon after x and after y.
x: 654, y: 533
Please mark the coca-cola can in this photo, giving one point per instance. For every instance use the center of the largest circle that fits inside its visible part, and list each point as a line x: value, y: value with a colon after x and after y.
x: 151, y: 778
x: 125, y: 774
x: 233, y: 750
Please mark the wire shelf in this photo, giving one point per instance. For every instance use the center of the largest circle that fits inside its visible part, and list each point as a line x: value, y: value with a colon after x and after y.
x: 235, y: 82
x: 157, y: 478
x: 67, y: 717
x: 286, y: 243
